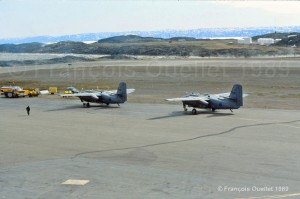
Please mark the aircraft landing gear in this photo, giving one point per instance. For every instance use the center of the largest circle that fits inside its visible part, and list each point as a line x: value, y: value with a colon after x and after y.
x: 184, y: 107
x: 86, y: 105
x: 118, y: 104
x: 231, y: 110
x: 194, y: 111
x: 213, y: 109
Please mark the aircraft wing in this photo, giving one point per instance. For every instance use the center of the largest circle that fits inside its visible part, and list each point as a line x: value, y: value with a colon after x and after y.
x: 189, y: 98
x: 93, y: 95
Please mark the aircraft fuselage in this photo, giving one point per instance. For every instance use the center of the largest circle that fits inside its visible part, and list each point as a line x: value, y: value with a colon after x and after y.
x: 213, y: 104
x: 103, y: 99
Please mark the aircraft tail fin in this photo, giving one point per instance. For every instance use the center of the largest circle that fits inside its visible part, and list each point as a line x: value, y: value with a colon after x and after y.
x: 122, y: 92
x: 237, y: 94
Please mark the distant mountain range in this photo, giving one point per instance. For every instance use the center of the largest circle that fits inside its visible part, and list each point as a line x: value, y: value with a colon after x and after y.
x: 195, y: 33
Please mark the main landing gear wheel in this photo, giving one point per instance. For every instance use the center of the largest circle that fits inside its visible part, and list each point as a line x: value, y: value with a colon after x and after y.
x: 86, y: 105
x: 213, y: 109
x: 194, y: 111
x: 184, y: 107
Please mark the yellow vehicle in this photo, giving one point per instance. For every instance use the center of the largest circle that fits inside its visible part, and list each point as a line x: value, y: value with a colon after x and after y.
x: 5, y: 89
x: 71, y: 90
x: 67, y: 92
x: 53, y: 90
x: 12, y: 91
x: 32, y: 92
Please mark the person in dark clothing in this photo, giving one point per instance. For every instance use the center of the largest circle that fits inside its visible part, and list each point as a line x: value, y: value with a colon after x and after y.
x: 28, y: 110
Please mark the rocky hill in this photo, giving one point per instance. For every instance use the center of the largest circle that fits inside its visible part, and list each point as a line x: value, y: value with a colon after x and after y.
x: 275, y: 35
x: 129, y: 39
x: 286, y: 39
x: 178, y: 46
x: 21, y: 48
x: 292, y: 40
x: 139, y: 39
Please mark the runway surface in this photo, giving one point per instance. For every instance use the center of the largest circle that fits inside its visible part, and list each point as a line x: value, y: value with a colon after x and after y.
x: 146, y: 151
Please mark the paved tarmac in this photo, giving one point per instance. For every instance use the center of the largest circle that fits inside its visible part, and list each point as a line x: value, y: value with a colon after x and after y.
x: 146, y: 151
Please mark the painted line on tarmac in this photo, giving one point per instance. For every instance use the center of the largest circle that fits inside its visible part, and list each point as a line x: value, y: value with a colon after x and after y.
x: 75, y: 182
x: 275, y: 196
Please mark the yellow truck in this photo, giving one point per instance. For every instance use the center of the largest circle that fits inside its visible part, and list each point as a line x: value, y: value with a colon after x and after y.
x: 52, y: 90
x: 12, y: 91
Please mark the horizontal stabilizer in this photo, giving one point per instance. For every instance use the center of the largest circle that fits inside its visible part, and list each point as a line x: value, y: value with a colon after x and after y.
x: 128, y: 91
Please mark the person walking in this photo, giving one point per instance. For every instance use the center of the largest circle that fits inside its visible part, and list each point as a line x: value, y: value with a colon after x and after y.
x: 28, y: 110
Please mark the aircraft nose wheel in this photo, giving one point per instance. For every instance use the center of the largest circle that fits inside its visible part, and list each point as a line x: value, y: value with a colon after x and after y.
x: 194, y: 111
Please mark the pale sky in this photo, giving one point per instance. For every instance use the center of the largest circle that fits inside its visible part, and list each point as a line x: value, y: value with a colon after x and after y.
x: 26, y: 18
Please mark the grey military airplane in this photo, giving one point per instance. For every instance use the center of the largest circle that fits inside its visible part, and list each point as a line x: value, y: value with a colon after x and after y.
x: 103, y: 97
x: 232, y: 100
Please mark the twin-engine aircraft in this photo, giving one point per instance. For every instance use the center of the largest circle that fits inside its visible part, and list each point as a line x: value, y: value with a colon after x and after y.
x: 103, y: 97
x: 232, y: 100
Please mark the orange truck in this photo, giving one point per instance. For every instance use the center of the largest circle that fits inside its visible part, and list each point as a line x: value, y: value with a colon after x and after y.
x: 12, y: 91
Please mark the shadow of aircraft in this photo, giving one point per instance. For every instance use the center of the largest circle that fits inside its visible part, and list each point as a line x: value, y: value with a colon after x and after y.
x: 182, y: 113
x: 92, y: 107
x: 173, y: 114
